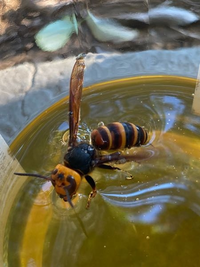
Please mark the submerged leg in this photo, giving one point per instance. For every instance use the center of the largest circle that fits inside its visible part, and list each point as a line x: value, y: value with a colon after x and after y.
x: 109, y: 167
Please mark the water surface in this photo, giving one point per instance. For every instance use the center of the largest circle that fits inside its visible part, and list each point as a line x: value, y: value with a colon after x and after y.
x: 151, y: 220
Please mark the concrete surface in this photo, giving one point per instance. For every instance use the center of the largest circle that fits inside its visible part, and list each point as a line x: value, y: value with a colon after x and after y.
x: 28, y: 89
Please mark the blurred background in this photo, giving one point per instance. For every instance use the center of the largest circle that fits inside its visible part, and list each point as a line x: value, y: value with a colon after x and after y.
x: 135, y: 25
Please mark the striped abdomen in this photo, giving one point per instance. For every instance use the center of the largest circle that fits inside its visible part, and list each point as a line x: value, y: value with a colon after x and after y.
x: 118, y: 136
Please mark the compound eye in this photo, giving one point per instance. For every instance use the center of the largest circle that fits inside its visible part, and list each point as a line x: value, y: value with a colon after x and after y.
x: 54, y: 171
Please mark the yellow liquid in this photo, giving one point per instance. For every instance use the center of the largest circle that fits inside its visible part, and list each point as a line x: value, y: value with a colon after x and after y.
x: 151, y: 220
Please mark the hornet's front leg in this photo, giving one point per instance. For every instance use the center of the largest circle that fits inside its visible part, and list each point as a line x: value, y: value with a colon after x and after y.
x: 93, y: 193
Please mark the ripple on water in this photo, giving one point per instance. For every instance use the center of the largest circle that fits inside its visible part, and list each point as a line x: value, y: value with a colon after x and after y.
x: 139, y: 222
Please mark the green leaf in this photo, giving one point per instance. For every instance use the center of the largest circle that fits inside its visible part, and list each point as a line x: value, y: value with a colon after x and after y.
x: 108, y: 30
x: 56, y: 34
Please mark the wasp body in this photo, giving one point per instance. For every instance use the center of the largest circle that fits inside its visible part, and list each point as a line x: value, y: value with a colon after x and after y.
x: 81, y: 158
x: 118, y: 136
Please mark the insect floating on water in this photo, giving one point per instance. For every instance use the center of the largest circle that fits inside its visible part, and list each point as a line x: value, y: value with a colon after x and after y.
x: 81, y: 157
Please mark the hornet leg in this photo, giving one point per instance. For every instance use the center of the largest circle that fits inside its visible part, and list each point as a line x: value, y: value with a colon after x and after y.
x: 109, y: 167
x: 92, y: 194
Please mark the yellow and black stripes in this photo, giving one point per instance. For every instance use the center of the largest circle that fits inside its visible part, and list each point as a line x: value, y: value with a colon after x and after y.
x: 118, y: 135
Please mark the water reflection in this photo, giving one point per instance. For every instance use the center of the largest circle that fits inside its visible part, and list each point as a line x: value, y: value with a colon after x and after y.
x: 170, y: 108
x: 148, y: 202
